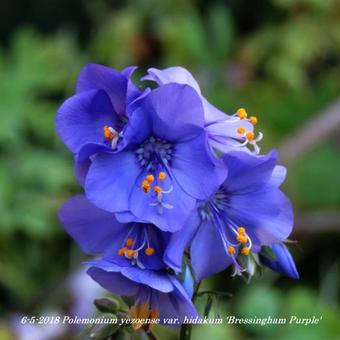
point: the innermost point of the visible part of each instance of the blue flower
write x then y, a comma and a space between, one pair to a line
283, 263
226, 133
93, 119
131, 263
98, 232
247, 211
158, 295
166, 165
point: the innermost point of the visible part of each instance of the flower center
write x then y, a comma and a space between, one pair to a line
145, 310
154, 155
248, 137
235, 239
111, 134
134, 243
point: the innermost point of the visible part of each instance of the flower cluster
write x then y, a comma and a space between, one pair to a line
171, 185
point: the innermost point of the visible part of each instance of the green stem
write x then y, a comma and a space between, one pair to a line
185, 332
150, 335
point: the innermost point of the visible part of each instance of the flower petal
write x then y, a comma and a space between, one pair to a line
284, 263
174, 74
81, 169
92, 228
114, 83
171, 218
116, 283
179, 242
211, 113
247, 172
81, 118
110, 179
197, 171
267, 215
173, 111
208, 253
180, 75
227, 128
154, 279
278, 176
176, 304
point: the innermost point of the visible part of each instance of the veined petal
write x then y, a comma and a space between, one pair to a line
174, 74
81, 118
208, 253
227, 128
81, 169
247, 172
132, 90
266, 214
179, 242
93, 229
116, 283
176, 304
211, 113
278, 176
114, 83
153, 279
284, 263
180, 75
110, 180
197, 171
174, 111
178, 206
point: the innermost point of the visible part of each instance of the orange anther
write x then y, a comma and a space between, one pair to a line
242, 238
146, 186
129, 242
231, 250
149, 251
157, 189
241, 113
162, 175
150, 178
241, 230
130, 252
241, 130
245, 251
121, 251
250, 136
109, 133
253, 120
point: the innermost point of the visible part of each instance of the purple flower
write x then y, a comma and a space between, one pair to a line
166, 165
283, 263
246, 212
94, 118
158, 295
132, 262
98, 232
226, 133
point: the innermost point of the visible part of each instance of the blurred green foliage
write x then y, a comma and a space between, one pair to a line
280, 59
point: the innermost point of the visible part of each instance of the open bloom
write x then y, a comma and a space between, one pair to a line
166, 165
131, 263
98, 232
247, 211
283, 263
226, 133
159, 296
94, 118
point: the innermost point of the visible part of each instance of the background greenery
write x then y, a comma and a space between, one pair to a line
278, 58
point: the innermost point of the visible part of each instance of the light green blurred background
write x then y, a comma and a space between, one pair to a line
280, 59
